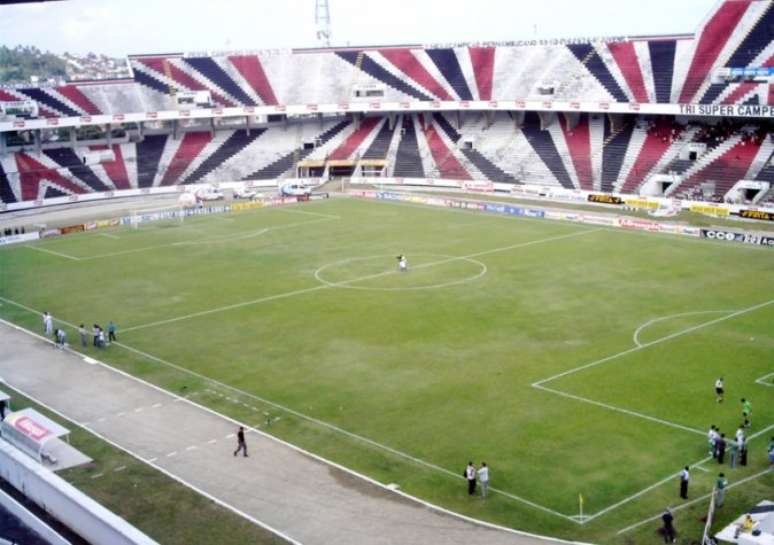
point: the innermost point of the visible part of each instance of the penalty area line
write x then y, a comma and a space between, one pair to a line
653, 343
52, 252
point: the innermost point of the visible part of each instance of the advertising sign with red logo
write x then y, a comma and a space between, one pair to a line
30, 428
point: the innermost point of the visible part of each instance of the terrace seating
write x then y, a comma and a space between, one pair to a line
250, 68
662, 60
613, 153
713, 38
545, 147
408, 163
355, 140
279, 167
659, 138
235, 143
67, 158
189, 149
220, 79
6, 193
381, 144
589, 57
149, 153
449, 65
725, 165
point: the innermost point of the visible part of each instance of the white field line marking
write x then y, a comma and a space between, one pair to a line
291, 446
682, 238
654, 342
702, 468
688, 504
210, 240
764, 380
151, 461
619, 409
108, 235
119, 468
335, 428
226, 308
52, 252
345, 432
297, 211
636, 336
344, 283
640, 493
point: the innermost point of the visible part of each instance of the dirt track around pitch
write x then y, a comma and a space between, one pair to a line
297, 494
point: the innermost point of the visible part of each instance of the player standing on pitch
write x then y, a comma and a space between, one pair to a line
402, 263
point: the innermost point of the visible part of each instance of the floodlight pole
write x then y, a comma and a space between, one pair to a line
322, 21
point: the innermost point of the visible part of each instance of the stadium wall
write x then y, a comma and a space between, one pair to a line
64, 502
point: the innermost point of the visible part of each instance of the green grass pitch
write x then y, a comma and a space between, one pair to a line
508, 340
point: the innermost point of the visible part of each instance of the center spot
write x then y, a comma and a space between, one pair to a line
425, 271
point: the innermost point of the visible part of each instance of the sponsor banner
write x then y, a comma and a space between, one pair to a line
246, 206
639, 225
13, 239
641, 203
479, 187
742, 238
709, 210
729, 110
690, 231
605, 198
73, 229
756, 215
607, 221
28, 427
47, 233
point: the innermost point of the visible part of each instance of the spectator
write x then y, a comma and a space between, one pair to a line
669, 529
470, 475
84, 335
483, 478
720, 490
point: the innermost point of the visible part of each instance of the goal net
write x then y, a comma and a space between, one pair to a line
165, 215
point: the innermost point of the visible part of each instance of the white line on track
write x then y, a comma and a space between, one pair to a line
654, 342
52, 252
352, 281
697, 500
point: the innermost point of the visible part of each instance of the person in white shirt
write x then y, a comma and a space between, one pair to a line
711, 438
470, 475
685, 476
48, 324
483, 478
402, 263
719, 390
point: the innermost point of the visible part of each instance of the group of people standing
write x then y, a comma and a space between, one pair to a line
474, 475
100, 338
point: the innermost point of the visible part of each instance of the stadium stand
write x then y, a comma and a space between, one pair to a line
578, 150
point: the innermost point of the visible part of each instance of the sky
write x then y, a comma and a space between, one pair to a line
121, 27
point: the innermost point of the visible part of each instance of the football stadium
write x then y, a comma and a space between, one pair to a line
491, 293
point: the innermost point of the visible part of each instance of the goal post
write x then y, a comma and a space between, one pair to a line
169, 214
